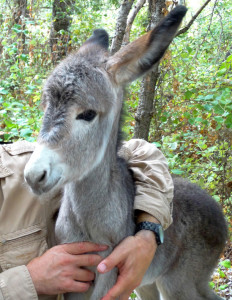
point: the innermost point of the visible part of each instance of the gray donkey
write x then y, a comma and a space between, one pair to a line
77, 151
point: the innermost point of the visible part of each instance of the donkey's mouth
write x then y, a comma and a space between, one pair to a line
44, 171
42, 187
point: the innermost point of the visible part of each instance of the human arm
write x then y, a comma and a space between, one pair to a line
17, 277
153, 203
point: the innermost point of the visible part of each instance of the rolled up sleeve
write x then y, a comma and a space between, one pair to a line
16, 283
154, 185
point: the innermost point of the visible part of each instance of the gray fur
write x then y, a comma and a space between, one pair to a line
98, 188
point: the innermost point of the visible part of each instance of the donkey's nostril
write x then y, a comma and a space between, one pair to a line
43, 176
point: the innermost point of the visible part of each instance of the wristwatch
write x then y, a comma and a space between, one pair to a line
156, 228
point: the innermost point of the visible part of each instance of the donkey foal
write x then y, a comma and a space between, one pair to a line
77, 150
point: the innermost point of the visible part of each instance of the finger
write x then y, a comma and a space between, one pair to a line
87, 260
83, 247
83, 275
117, 256
76, 287
125, 296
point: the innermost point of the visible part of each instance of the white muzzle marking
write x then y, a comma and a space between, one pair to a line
44, 171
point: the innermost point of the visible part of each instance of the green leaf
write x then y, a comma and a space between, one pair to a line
222, 274
187, 115
223, 287
9, 124
163, 119
25, 132
133, 296
177, 172
3, 91
188, 95
173, 146
219, 119
207, 107
217, 198
228, 121
221, 72
229, 58
189, 49
209, 97
211, 284
30, 22
198, 119
24, 57
157, 144
226, 263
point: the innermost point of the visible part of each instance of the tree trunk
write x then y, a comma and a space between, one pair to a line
59, 35
121, 25
139, 4
147, 90
20, 12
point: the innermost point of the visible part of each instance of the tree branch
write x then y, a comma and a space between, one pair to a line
186, 28
121, 25
133, 13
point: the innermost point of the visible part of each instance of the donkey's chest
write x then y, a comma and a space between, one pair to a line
106, 225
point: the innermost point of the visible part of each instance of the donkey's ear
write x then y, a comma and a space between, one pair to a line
140, 56
100, 37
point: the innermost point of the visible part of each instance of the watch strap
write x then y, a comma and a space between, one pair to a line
154, 227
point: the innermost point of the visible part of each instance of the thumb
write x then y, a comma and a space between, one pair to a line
111, 261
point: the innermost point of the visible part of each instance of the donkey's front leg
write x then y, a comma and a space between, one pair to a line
103, 283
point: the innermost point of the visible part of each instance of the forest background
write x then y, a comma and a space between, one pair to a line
184, 105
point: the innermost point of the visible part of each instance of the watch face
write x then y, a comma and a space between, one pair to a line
161, 234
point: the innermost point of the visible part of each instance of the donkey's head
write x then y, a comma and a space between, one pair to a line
82, 100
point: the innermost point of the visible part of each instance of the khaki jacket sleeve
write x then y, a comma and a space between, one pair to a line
154, 185
16, 283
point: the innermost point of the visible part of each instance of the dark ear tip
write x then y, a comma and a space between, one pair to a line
99, 31
179, 11
101, 37
101, 34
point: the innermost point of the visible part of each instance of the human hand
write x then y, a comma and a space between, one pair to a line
132, 257
59, 270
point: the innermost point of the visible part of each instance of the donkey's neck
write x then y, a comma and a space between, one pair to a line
97, 206
98, 183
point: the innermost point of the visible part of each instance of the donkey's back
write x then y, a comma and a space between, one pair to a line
192, 245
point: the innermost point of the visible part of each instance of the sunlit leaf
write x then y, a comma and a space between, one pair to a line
226, 263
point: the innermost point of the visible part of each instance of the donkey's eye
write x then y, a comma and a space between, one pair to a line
87, 115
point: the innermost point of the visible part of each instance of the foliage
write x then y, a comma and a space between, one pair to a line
192, 117
22, 72
197, 114
221, 279
26, 60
